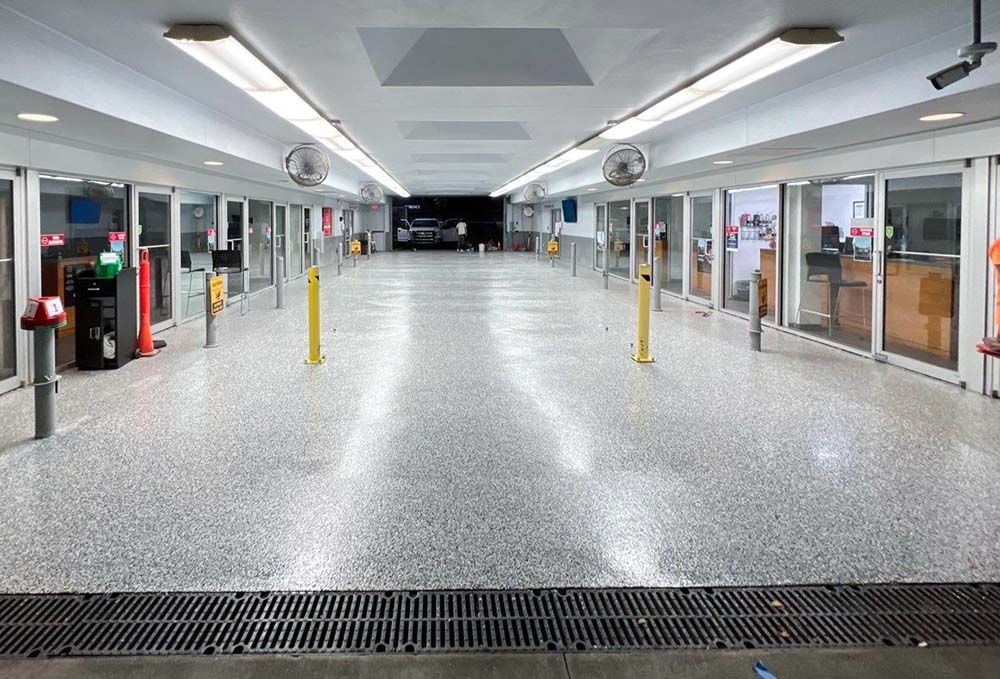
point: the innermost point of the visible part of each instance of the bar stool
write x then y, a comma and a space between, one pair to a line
824, 267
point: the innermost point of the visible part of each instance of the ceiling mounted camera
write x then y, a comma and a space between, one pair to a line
971, 55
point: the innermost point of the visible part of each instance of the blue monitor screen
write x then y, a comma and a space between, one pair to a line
84, 211
569, 210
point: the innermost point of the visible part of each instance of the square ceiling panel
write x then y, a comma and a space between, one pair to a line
463, 130
472, 57
467, 158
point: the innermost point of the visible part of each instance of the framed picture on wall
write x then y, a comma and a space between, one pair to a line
859, 209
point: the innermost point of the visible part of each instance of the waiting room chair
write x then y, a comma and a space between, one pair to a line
186, 268
825, 268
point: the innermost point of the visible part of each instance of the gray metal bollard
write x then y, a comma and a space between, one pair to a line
604, 272
340, 260
755, 327
211, 333
279, 284
538, 248
657, 305
45, 382
572, 257
369, 246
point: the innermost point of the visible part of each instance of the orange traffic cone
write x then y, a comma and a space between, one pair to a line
145, 341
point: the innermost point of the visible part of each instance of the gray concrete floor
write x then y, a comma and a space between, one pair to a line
479, 424
939, 663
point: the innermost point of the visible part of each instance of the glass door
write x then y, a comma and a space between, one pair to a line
260, 250
600, 237
641, 237
236, 231
919, 269
751, 239
153, 226
198, 235
668, 237
280, 241
619, 238
295, 242
701, 253
8, 293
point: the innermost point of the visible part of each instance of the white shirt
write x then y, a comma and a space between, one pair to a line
461, 228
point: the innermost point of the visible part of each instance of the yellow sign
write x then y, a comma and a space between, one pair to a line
762, 297
355, 247
216, 295
553, 248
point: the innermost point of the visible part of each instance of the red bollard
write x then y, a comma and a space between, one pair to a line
145, 330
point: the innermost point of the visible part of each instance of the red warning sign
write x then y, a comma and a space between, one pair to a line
53, 239
115, 236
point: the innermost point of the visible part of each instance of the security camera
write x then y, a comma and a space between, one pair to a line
952, 74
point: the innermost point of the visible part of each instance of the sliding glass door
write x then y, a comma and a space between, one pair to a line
751, 240
619, 238
641, 238
600, 236
8, 295
260, 249
702, 252
668, 234
154, 228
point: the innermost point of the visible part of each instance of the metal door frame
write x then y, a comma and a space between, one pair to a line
879, 264
688, 246
778, 252
302, 241
274, 240
598, 264
173, 252
20, 262
634, 235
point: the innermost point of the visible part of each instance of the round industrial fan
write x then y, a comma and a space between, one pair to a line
534, 192
624, 165
529, 211
307, 165
372, 194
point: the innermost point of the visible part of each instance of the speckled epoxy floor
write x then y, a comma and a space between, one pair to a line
478, 424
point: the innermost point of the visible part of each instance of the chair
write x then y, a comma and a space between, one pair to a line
825, 268
186, 264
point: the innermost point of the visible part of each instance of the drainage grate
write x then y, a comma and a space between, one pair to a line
188, 623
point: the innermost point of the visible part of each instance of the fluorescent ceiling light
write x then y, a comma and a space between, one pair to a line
723, 162
38, 117
791, 47
562, 160
214, 163
678, 195
591, 189
214, 47
938, 117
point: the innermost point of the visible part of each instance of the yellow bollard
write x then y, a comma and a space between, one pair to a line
315, 358
642, 354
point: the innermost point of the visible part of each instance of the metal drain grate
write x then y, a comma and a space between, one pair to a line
49, 625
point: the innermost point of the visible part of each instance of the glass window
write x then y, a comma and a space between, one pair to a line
668, 231
923, 228
234, 241
295, 240
619, 238
80, 218
280, 241
198, 236
641, 236
8, 311
751, 239
154, 235
702, 253
260, 245
828, 253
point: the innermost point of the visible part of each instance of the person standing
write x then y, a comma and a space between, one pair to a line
462, 228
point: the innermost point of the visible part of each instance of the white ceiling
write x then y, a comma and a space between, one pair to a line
471, 138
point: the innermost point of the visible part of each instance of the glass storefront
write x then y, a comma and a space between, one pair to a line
199, 233
295, 242
829, 235
923, 227
259, 251
668, 232
619, 238
154, 235
234, 241
79, 219
8, 310
702, 252
751, 240
642, 237
280, 240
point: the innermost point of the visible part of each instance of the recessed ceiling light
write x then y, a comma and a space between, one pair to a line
214, 163
591, 189
723, 162
37, 117
938, 117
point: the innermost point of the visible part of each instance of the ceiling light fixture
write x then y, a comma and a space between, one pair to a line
562, 160
938, 117
591, 189
791, 47
213, 163
723, 162
38, 117
217, 49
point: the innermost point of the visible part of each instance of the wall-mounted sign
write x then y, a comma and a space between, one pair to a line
53, 239
732, 238
328, 221
862, 231
210, 233
115, 236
